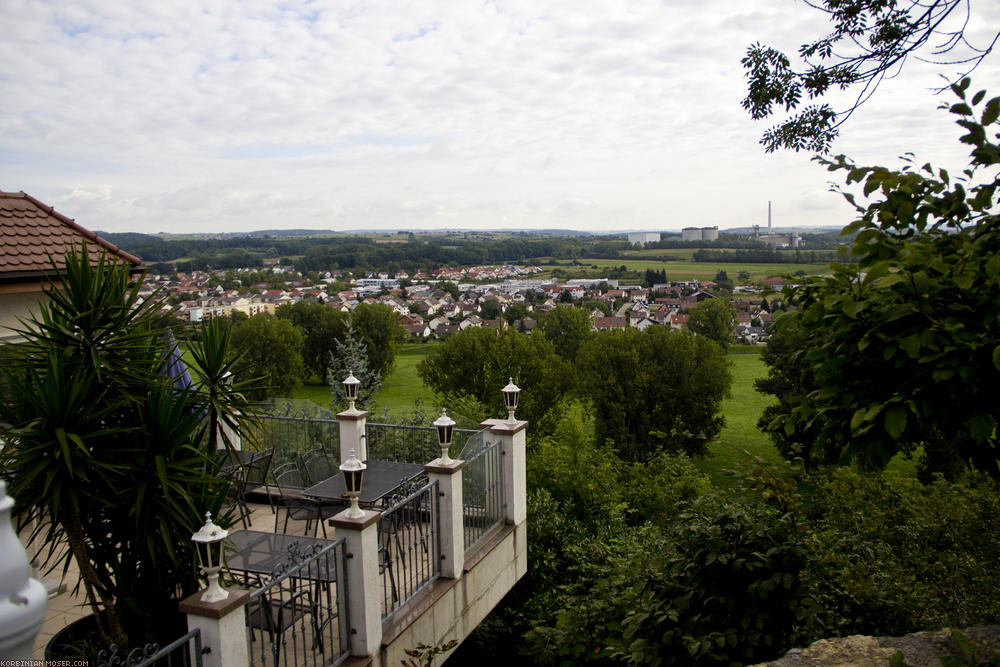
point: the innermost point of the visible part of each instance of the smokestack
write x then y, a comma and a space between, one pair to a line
768, 217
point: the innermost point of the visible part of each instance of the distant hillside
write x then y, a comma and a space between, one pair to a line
128, 240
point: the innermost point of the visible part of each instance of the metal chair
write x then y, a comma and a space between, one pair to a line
318, 466
256, 477
236, 491
290, 482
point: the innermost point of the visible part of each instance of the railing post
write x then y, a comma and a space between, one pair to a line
449, 483
352, 434
223, 628
512, 447
363, 583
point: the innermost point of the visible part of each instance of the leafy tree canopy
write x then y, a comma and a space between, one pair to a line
901, 350
714, 319
272, 347
567, 328
321, 325
653, 390
870, 40
478, 363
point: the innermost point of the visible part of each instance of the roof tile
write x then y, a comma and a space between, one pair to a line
31, 233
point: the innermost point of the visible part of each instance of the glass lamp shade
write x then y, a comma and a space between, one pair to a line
354, 473
445, 426
510, 393
351, 387
208, 544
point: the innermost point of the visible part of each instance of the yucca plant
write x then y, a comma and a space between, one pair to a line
106, 452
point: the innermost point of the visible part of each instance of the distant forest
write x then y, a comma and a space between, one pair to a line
410, 252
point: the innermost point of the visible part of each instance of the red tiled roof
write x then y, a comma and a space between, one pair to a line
31, 232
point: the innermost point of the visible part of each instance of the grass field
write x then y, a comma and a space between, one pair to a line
686, 270
402, 391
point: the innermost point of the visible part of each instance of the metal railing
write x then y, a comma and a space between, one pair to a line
299, 616
410, 444
482, 490
409, 545
290, 436
185, 651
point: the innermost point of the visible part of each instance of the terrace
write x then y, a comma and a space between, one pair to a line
424, 564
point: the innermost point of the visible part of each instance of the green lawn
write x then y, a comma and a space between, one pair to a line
402, 390
740, 438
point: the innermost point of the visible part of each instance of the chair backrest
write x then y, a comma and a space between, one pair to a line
288, 476
318, 466
256, 472
237, 481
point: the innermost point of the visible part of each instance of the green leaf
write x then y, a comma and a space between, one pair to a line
961, 109
895, 421
996, 357
991, 112
981, 426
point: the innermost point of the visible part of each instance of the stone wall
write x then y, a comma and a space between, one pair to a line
922, 649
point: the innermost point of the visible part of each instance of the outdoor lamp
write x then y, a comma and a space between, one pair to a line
208, 541
510, 393
354, 473
351, 389
444, 425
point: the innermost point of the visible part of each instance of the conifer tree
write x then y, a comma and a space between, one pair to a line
351, 356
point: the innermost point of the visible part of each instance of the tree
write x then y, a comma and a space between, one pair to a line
489, 309
714, 319
104, 447
870, 40
902, 346
272, 347
351, 357
321, 325
478, 363
653, 390
567, 328
378, 327
515, 312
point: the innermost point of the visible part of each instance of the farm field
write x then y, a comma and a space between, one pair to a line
687, 270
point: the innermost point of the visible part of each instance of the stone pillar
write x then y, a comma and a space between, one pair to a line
515, 492
449, 479
223, 628
352, 434
23, 600
364, 588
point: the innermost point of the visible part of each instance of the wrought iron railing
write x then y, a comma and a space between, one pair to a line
410, 444
409, 544
299, 615
290, 436
482, 489
185, 651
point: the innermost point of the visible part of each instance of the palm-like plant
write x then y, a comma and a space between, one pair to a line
106, 451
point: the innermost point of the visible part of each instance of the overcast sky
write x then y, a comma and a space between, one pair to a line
236, 115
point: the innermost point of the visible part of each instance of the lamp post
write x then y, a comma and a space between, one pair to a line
445, 426
351, 390
354, 473
208, 541
510, 393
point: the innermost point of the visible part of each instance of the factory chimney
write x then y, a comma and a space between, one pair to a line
769, 218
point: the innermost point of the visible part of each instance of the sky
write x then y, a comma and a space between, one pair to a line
590, 115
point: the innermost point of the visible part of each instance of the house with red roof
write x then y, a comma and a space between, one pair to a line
34, 239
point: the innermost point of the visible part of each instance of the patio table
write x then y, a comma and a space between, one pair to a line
381, 479
259, 553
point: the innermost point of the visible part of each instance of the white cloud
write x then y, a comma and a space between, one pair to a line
231, 115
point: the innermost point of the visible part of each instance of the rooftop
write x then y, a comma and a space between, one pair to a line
31, 233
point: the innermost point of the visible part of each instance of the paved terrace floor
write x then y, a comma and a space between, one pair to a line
65, 607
